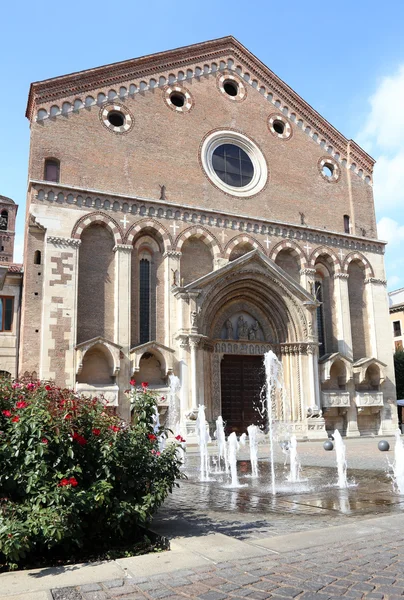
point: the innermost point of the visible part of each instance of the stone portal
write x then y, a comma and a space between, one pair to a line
242, 379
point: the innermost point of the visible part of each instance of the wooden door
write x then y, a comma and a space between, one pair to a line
242, 379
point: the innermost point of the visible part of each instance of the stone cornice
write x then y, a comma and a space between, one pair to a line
376, 281
227, 54
62, 241
138, 206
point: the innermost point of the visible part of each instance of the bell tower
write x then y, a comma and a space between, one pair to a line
8, 214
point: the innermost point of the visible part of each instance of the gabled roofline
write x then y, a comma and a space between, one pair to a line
82, 81
244, 259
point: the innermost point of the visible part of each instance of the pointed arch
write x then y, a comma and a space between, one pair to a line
324, 251
201, 233
361, 258
145, 224
100, 218
294, 248
242, 238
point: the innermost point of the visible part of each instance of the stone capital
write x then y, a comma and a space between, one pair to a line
125, 248
62, 241
376, 281
172, 254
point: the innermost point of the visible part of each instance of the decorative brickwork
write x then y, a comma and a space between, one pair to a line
199, 232
58, 331
98, 217
62, 269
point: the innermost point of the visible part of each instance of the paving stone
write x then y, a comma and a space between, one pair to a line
289, 592
257, 595
159, 593
314, 596
228, 587
95, 596
67, 593
113, 583
90, 587
213, 595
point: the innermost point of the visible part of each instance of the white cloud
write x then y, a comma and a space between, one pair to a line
384, 126
390, 230
389, 181
383, 135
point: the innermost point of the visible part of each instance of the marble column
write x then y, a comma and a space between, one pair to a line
341, 298
122, 309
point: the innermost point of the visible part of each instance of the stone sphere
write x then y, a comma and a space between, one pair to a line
383, 446
328, 445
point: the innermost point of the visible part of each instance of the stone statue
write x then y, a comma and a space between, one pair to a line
229, 329
175, 276
194, 318
162, 192
253, 331
242, 328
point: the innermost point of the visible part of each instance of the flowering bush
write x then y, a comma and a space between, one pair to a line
73, 476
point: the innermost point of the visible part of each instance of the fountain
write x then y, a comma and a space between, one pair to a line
175, 385
341, 461
398, 466
203, 439
294, 475
221, 444
233, 448
252, 437
274, 383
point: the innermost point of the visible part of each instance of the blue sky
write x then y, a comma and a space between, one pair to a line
346, 59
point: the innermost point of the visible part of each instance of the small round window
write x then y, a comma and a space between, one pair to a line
231, 86
279, 126
329, 169
116, 118
232, 165
178, 98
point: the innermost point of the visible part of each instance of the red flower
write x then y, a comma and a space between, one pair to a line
15, 419
145, 385
179, 438
48, 387
63, 482
156, 453
96, 431
30, 386
132, 382
73, 481
44, 440
68, 416
152, 437
114, 428
79, 439
21, 404
6, 413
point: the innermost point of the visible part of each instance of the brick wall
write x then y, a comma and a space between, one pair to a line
288, 262
163, 148
358, 311
196, 260
95, 303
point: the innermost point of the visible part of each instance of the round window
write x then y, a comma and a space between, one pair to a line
234, 163
116, 118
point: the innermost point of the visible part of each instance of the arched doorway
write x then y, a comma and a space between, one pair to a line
242, 381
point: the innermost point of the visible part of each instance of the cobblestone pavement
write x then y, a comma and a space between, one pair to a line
366, 568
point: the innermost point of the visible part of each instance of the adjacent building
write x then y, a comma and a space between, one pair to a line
396, 307
10, 290
187, 212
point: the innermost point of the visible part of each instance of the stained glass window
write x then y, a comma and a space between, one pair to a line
144, 300
232, 165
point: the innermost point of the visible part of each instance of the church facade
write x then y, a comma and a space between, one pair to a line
191, 212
